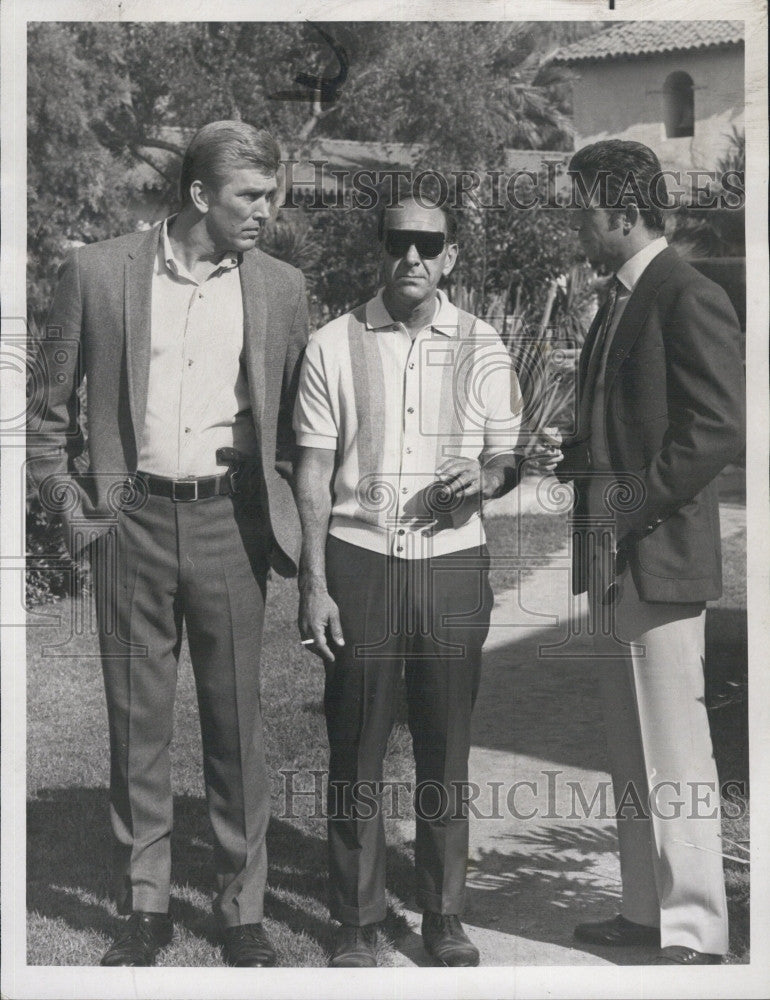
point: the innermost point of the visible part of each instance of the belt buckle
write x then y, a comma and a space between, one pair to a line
184, 482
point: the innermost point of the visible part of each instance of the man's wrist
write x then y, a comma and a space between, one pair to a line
314, 580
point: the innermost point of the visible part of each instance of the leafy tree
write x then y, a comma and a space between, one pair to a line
715, 231
76, 186
449, 87
102, 95
105, 96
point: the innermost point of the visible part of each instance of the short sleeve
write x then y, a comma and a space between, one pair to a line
314, 421
503, 400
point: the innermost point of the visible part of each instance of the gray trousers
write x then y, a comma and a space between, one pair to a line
432, 617
204, 564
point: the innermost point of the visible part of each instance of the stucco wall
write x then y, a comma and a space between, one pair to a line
624, 100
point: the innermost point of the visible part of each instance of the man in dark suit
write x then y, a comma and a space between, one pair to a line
660, 413
190, 339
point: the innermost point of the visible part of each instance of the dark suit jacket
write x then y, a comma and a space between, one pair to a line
99, 326
674, 410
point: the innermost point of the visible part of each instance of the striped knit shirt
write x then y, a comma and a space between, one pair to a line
394, 409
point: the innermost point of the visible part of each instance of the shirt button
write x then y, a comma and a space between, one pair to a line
404, 489
411, 364
187, 430
200, 295
409, 451
399, 548
189, 362
410, 409
401, 531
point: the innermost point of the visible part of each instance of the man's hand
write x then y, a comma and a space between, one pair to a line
319, 617
547, 454
317, 614
465, 477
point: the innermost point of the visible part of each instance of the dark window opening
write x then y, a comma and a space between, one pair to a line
679, 105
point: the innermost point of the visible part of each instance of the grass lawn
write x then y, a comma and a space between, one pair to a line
70, 917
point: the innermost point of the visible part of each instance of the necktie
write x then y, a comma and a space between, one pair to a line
587, 395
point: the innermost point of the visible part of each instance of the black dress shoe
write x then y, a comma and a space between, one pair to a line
618, 932
247, 947
354, 948
677, 954
142, 936
446, 942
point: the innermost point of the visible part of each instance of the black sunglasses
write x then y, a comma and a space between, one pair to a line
427, 245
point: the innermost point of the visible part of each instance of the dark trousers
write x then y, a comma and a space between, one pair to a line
204, 564
432, 616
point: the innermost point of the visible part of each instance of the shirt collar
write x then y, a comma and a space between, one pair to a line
176, 266
445, 318
629, 274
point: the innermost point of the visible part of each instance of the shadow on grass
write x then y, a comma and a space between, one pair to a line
69, 853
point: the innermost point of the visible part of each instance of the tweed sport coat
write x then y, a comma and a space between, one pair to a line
99, 326
674, 413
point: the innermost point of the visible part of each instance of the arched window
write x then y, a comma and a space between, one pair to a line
678, 105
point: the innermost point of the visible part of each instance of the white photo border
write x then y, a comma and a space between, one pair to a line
22, 981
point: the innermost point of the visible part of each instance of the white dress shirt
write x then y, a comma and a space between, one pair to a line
198, 394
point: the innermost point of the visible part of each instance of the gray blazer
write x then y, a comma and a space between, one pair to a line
99, 327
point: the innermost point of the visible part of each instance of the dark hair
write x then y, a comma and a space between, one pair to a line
219, 147
628, 173
450, 218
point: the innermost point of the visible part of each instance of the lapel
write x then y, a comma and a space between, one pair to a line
254, 293
590, 340
636, 312
137, 299
584, 393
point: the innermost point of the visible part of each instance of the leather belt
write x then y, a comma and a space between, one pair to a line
187, 490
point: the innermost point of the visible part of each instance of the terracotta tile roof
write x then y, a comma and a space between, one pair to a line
639, 38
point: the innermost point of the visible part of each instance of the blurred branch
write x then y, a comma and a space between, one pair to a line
153, 143
145, 159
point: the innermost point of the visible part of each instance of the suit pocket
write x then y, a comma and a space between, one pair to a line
683, 547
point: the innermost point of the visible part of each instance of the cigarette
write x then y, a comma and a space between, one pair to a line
306, 642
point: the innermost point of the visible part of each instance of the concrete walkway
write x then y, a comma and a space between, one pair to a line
543, 850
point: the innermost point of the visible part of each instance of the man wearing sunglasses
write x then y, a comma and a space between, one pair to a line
407, 418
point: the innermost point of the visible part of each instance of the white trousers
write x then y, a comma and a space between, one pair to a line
664, 775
